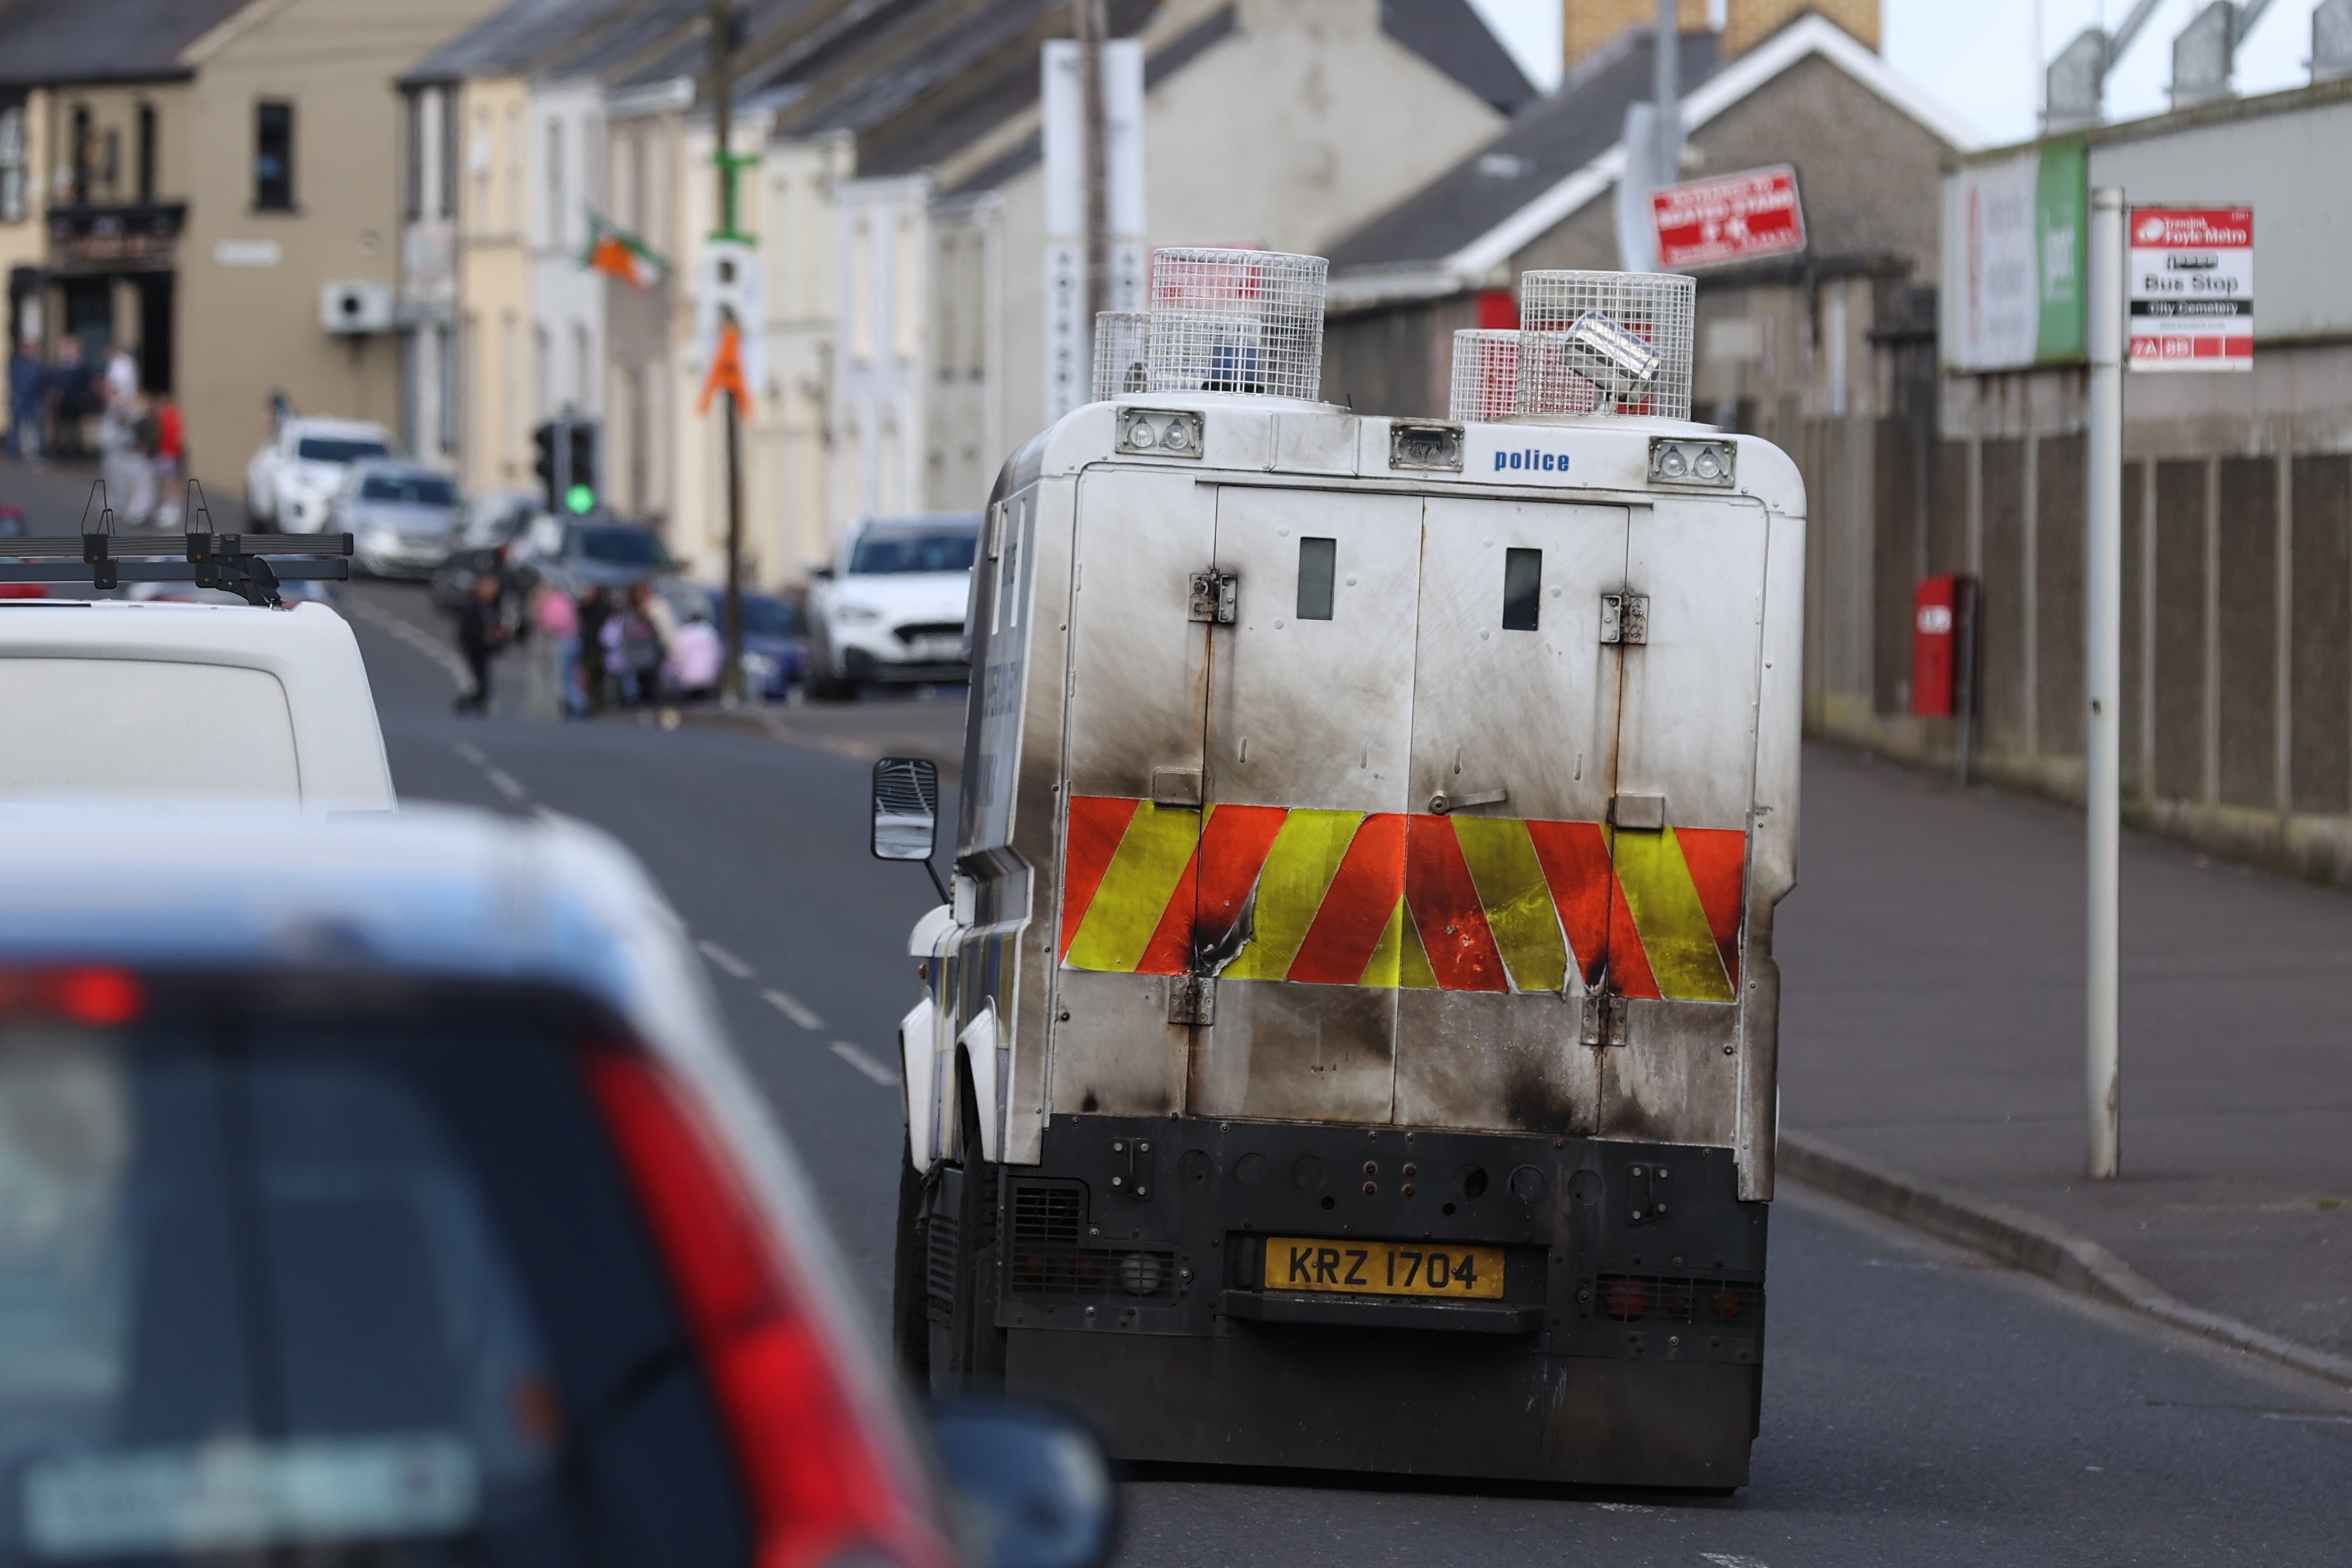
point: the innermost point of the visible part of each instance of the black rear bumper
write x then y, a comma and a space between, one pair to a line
1626, 1347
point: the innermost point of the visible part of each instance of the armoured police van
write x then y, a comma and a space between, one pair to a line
1351, 1041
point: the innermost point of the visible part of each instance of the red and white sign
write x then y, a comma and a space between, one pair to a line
2192, 288
1733, 218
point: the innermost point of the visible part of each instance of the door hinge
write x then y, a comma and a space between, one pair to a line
1193, 999
1604, 1019
1217, 596
1440, 802
1624, 618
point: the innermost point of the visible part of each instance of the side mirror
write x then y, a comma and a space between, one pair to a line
1034, 1488
906, 808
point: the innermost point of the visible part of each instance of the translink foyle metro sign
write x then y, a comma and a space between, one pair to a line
2192, 288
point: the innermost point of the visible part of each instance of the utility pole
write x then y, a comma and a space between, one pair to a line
1667, 89
2101, 667
1090, 22
722, 101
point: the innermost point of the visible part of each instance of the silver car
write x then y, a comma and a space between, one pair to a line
404, 517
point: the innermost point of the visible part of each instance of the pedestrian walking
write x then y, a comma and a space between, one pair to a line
558, 624
68, 399
146, 441
28, 386
595, 612
481, 633
119, 462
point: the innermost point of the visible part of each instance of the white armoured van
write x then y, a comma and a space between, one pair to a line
110, 700
1352, 1040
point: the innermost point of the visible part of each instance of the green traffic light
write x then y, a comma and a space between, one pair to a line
580, 498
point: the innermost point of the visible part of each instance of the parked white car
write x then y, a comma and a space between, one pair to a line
893, 609
290, 481
159, 700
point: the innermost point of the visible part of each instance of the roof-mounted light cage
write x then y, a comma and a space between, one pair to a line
1122, 354
1486, 380
1606, 342
1237, 321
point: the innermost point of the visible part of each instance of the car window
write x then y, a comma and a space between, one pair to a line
338, 449
328, 1285
767, 618
944, 551
409, 489
621, 547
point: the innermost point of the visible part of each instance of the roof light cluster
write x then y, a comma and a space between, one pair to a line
1587, 343
1246, 321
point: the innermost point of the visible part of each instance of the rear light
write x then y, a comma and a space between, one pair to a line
822, 1483
100, 997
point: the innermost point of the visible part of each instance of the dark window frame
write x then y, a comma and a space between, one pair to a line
1522, 590
1319, 574
277, 195
149, 147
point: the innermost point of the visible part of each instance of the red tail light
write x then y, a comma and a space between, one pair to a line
821, 1483
100, 997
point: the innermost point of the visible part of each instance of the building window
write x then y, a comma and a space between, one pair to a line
554, 230
273, 157
452, 131
147, 151
448, 374
12, 165
412, 196
78, 190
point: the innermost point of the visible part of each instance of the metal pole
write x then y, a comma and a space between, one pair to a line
2102, 664
1089, 24
722, 101
1667, 89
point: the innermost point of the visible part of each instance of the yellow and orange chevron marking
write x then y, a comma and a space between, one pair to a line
1448, 904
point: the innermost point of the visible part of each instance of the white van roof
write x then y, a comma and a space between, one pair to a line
112, 698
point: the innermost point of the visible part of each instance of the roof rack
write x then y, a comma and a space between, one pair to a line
248, 568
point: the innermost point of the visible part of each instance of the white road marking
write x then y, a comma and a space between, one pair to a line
414, 636
507, 785
865, 1064
792, 1007
724, 959
1727, 1560
471, 752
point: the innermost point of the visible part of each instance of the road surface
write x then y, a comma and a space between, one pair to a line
1921, 1407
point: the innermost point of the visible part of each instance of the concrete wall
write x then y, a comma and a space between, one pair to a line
494, 286
246, 330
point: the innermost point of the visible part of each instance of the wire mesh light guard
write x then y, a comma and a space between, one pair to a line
1606, 342
1237, 321
1122, 354
1486, 376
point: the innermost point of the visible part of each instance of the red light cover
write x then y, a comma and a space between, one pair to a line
102, 998
820, 1483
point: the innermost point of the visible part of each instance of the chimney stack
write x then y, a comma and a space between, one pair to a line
1587, 26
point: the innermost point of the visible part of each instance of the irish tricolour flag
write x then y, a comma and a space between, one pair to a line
622, 255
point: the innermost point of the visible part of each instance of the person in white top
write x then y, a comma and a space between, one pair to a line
129, 485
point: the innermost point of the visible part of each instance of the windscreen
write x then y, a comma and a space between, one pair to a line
409, 489
767, 618
269, 1285
338, 449
942, 550
621, 547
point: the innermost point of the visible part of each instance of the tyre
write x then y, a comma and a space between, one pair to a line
967, 1348
910, 1302
820, 685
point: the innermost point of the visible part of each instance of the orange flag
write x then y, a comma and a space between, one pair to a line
726, 372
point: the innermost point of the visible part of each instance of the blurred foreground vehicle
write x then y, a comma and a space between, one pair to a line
291, 479
406, 1205
118, 698
403, 517
893, 610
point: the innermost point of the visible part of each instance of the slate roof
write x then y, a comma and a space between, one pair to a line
45, 41
511, 40
1452, 36
1547, 140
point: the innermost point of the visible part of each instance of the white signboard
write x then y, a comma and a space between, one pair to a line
2192, 288
1069, 331
2014, 260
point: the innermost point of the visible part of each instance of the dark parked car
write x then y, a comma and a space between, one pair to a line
408, 1206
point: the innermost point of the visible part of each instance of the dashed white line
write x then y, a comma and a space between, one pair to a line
865, 1064
414, 636
507, 785
471, 752
792, 1007
1729, 1560
724, 959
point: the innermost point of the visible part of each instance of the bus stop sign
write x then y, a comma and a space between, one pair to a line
2192, 288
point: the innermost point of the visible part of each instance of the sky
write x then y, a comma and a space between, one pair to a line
1979, 57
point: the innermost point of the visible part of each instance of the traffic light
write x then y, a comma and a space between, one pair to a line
545, 439
580, 467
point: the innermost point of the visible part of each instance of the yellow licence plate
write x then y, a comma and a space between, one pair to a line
1384, 1268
